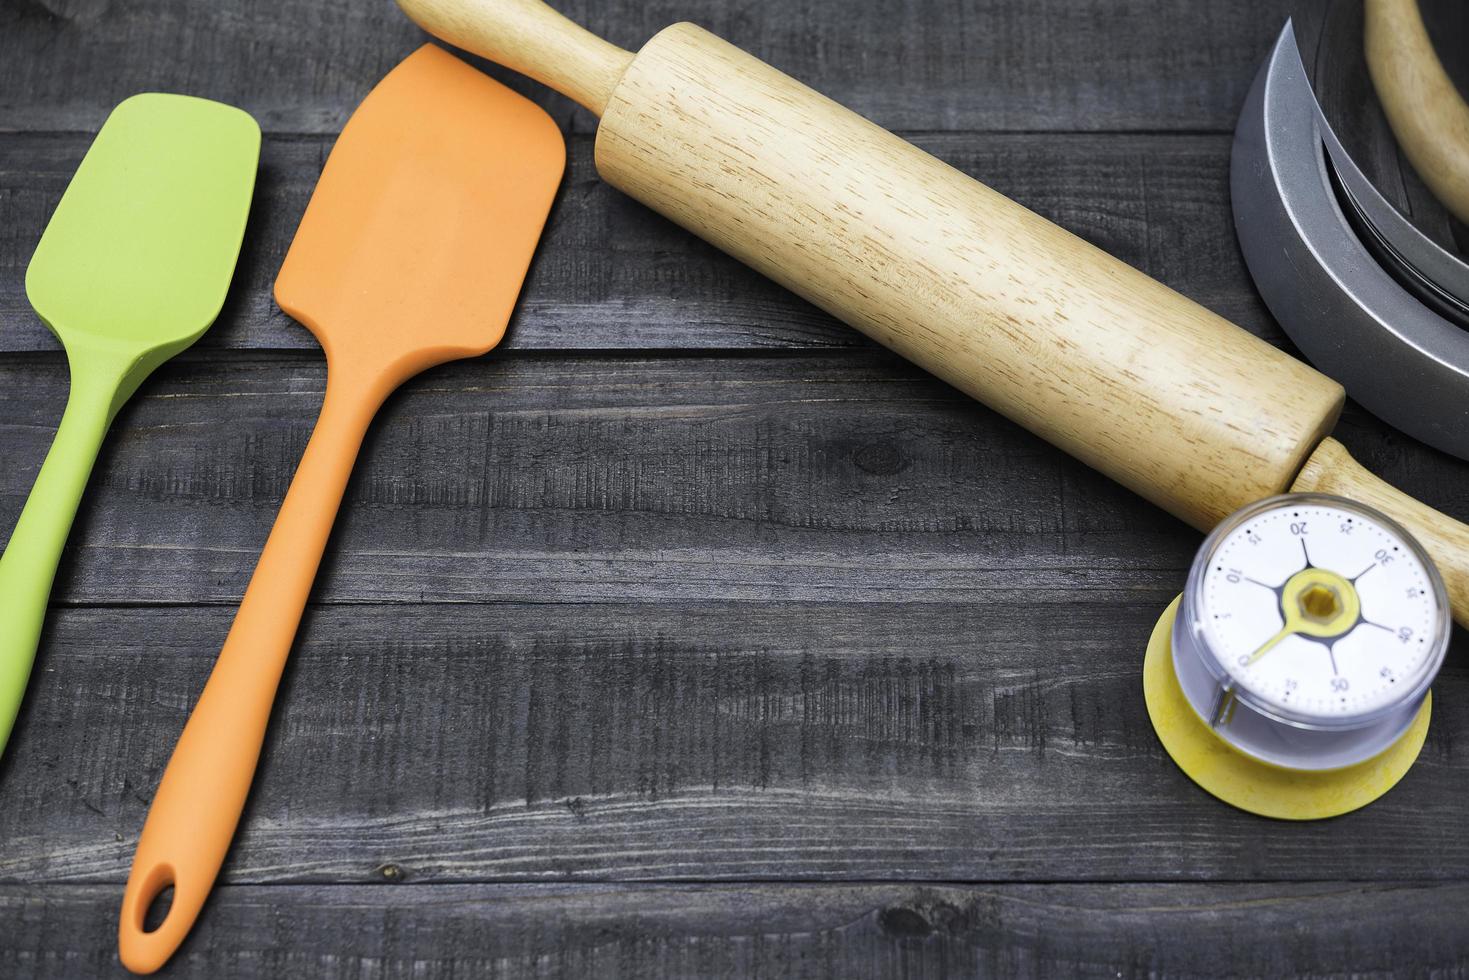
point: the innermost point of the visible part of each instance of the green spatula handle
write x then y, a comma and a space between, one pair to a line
29, 564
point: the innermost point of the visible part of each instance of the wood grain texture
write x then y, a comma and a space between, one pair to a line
720, 740
852, 479
611, 275
1132, 378
852, 932
301, 65
698, 617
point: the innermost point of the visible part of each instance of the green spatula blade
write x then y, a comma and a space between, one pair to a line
142, 247
132, 268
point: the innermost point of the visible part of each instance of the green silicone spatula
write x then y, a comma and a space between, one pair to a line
132, 269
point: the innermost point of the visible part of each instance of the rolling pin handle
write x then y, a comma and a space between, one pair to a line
529, 37
1331, 469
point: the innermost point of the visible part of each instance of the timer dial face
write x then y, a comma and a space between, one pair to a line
1320, 612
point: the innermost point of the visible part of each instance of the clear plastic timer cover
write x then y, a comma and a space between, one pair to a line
1318, 611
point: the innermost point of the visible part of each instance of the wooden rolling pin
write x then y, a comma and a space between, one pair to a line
1187, 409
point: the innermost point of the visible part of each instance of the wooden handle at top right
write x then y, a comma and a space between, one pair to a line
1428, 115
531, 38
1331, 469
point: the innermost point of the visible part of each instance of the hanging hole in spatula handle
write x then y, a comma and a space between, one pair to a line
150, 931
197, 807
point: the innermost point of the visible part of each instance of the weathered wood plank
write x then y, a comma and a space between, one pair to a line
684, 741
817, 931
611, 274
852, 479
300, 65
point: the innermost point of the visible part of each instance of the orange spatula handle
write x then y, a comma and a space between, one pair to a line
198, 803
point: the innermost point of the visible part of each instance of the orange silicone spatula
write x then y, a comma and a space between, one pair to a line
411, 253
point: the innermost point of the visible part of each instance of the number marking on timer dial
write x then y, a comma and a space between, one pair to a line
1319, 611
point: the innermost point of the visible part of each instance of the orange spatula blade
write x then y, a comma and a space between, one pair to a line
442, 179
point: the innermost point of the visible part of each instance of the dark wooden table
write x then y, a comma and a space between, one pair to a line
689, 634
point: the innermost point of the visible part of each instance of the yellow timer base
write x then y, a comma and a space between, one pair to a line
1251, 785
